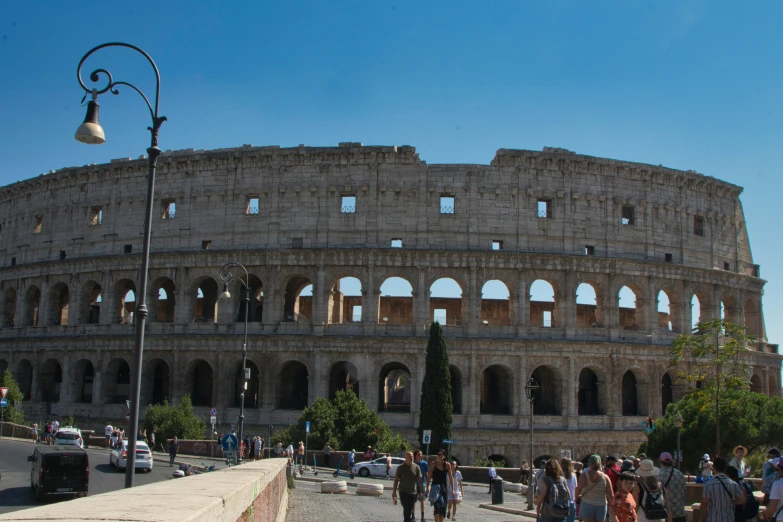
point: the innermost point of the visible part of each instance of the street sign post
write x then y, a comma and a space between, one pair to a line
127, 403
426, 438
3, 392
213, 412
127, 416
3, 402
229, 442
213, 420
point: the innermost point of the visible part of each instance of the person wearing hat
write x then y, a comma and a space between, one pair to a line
595, 491
773, 476
739, 461
773, 454
704, 469
674, 485
649, 494
627, 465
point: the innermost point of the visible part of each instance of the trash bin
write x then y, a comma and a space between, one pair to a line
497, 490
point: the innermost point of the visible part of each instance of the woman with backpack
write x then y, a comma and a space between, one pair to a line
570, 477
594, 492
553, 494
648, 494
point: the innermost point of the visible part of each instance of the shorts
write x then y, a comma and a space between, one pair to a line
107, 437
590, 511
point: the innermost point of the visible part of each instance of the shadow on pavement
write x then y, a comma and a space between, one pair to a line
18, 496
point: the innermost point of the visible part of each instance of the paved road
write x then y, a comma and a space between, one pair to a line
15, 491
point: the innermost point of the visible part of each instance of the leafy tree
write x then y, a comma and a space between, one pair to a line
755, 421
345, 422
716, 364
11, 414
179, 420
436, 405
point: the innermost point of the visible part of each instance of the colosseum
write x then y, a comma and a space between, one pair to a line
348, 249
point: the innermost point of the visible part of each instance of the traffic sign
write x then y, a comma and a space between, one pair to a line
377, 431
3, 391
229, 442
307, 427
449, 441
213, 420
213, 412
426, 436
18, 404
127, 403
3, 402
127, 416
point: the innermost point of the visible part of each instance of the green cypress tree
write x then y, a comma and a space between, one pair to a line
436, 406
11, 414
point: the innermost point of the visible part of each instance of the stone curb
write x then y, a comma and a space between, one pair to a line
510, 511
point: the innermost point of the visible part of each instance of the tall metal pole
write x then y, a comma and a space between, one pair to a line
717, 393
679, 451
532, 467
141, 297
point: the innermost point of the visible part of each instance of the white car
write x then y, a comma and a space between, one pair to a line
69, 436
119, 454
377, 467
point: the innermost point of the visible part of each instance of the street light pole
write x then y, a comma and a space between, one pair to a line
91, 132
679, 421
530, 388
227, 276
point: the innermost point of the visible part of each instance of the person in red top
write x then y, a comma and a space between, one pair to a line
368, 453
623, 507
612, 471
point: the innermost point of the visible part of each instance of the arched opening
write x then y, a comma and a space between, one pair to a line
252, 389
256, 311
755, 384
396, 302
665, 312
630, 399
9, 308
588, 313
542, 304
728, 310
201, 383
751, 318
33, 304
456, 389
667, 392
547, 398
155, 379
163, 302
294, 383
446, 302
298, 304
495, 304
91, 303
24, 377
343, 377
627, 309
124, 301
496, 389
206, 301
59, 299
588, 393
395, 388
117, 382
51, 380
345, 301
85, 377
695, 312
499, 460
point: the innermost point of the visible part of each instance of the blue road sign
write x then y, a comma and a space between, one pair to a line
307, 426
229, 442
449, 441
213, 412
3, 402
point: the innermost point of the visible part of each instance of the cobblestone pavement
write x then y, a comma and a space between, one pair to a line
307, 503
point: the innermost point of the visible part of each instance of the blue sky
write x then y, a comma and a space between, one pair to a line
687, 84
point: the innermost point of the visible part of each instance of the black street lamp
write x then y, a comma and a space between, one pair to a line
679, 422
530, 392
227, 276
91, 132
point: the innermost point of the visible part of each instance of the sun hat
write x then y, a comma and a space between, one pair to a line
705, 457
743, 448
773, 452
647, 469
595, 460
666, 457
627, 465
779, 463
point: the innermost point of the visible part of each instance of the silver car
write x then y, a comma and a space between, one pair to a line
377, 467
69, 436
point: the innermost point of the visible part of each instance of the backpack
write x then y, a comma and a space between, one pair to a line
653, 505
751, 508
557, 504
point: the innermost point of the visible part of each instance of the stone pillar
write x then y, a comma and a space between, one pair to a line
571, 390
765, 384
521, 407
569, 301
422, 317
524, 304
370, 298
651, 306
97, 388
107, 299
473, 383
182, 304
613, 398
65, 386
418, 380
611, 304
320, 297
471, 304
267, 394
43, 304
320, 375
20, 319
221, 397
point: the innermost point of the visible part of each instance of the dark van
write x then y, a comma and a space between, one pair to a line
58, 471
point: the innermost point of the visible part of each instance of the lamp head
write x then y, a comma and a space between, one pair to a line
679, 421
91, 132
226, 294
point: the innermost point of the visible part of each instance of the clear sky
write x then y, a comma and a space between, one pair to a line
687, 84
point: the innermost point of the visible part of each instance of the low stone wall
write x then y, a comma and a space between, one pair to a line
481, 475
17, 430
254, 491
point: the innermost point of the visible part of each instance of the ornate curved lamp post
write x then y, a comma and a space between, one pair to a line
91, 132
530, 392
227, 276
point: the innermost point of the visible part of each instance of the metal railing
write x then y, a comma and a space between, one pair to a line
348, 209
446, 210
252, 211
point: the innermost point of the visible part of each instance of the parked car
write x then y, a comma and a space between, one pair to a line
59, 470
119, 454
69, 436
377, 467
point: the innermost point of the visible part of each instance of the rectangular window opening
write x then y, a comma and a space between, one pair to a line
96, 216
589, 250
439, 315
497, 244
547, 323
396, 243
447, 205
251, 209
669, 257
62, 255
169, 209
545, 208
356, 314
13, 261
38, 224
128, 249
698, 225
205, 245
348, 204
297, 242
726, 265
628, 215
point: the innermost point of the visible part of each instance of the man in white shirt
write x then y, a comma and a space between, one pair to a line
290, 452
107, 433
705, 469
492, 475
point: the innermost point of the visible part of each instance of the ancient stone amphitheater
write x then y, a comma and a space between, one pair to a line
628, 255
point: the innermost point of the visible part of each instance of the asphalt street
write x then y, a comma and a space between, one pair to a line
15, 490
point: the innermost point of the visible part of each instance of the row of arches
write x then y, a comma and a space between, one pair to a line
394, 306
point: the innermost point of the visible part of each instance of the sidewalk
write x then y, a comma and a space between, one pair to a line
511, 508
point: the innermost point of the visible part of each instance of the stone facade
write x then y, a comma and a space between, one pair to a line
304, 217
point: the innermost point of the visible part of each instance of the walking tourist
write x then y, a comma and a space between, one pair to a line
674, 485
35, 433
455, 491
567, 466
407, 479
739, 461
719, 496
648, 494
258, 448
301, 454
115, 436
623, 506
773, 455
749, 510
151, 439
351, 458
107, 431
524, 472
368, 453
553, 496
492, 476
418, 457
594, 491
289, 451
388, 466
704, 469
775, 506
772, 476
262, 444
612, 470
437, 484
327, 451
173, 449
